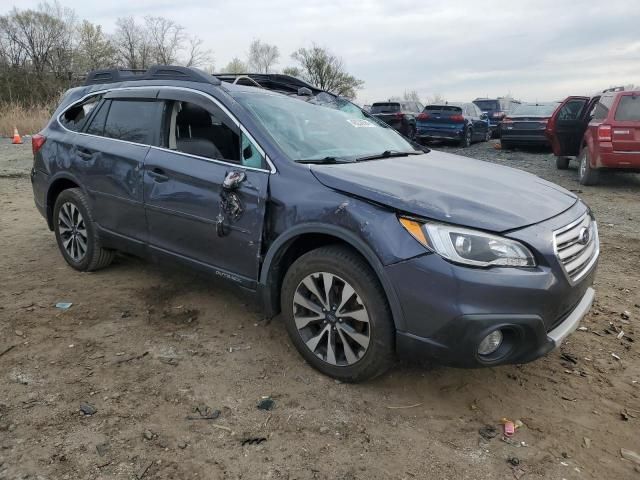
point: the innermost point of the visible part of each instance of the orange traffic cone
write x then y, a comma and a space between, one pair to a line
17, 139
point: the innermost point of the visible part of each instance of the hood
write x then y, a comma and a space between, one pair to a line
452, 189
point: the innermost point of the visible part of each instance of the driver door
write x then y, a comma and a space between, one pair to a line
566, 126
190, 213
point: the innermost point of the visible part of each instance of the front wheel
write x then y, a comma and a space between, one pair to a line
337, 316
467, 135
588, 175
76, 232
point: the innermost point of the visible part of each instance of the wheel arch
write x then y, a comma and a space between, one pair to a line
56, 187
303, 238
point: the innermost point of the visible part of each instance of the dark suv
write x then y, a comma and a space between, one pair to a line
367, 246
400, 115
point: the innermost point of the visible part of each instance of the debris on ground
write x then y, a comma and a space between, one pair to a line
488, 432
7, 350
103, 448
630, 455
182, 444
88, 409
569, 358
253, 441
267, 403
513, 461
586, 442
64, 305
204, 413
148, 435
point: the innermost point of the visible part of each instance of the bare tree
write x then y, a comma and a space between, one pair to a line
262, 56
131, 43
411, 96
166, 38
325, 70
42, 37
293, 71
436, 99
94, 49
197, 55
235, 66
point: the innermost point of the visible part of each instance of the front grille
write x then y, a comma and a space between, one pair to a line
577, 247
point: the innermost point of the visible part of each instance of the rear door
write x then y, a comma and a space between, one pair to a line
566, 126
111, 152
625, 124
189, 213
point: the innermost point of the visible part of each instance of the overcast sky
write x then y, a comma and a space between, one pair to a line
535, 50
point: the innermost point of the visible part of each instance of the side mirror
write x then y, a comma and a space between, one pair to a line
233, 179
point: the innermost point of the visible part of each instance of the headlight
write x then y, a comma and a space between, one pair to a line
469, 247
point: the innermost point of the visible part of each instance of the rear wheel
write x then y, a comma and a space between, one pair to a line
562, 163
336, 314
76, 233
588, 175
467, 136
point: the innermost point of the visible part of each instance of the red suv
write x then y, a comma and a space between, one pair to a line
602, 132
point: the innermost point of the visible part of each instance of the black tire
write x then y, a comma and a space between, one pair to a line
345, 264
467, 138
95, 256
587, 174
562, 163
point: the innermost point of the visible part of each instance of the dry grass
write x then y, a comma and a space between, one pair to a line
28, 120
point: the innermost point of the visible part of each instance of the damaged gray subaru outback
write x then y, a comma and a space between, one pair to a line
370, 248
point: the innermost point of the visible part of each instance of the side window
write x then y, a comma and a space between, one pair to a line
135, 121
96, 127
75, 117
251, 156
628, 108
201, 132
571, 110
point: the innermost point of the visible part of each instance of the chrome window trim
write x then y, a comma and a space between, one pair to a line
596, 254
236, 122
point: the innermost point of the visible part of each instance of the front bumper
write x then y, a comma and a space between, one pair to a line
448, 309
526, 338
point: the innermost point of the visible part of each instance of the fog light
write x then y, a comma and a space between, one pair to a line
490, 343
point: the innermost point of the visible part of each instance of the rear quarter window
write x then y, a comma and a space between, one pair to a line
628, 108
136, 121
601, 110
76, 116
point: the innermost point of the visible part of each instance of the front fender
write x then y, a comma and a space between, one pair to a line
279, 247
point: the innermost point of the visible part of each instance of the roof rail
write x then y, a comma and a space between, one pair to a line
157, 72
613, 89
270, 81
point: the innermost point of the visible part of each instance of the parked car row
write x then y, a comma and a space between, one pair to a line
601, 132
464, 123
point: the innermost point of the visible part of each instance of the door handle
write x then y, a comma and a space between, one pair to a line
85, 153
158, 175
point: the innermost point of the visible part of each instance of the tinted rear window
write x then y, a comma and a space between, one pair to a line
629, 108
443, 108
485, 105
540, 110
385, 108
135, 121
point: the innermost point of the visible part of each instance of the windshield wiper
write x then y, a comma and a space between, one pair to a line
323, 161
387, 154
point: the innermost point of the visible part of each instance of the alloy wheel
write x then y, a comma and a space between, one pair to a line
73, 231
331, 319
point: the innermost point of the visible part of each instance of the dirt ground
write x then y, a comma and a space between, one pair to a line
149, 346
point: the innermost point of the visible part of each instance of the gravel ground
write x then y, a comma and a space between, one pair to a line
146, 347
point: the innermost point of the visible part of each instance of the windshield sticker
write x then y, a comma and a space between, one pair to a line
358, 123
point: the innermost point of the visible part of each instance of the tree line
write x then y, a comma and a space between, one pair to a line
45, 50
